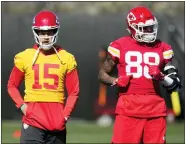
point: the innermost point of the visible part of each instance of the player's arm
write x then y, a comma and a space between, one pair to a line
169, 75
105, 69
111, 61
15, 79
104, 76
72, 86
171, 80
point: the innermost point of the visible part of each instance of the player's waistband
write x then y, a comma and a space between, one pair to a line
45, 97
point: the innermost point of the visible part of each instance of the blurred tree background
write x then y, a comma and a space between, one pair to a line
92, 8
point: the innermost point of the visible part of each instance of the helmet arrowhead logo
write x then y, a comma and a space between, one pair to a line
131, 17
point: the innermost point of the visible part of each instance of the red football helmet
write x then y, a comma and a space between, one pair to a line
45, 21
142, 25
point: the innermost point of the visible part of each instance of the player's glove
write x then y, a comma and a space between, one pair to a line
155, 72
122, 81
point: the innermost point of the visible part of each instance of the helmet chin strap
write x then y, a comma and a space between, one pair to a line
57, 54
148, 38
45, 47
48, 46
35, 56
37, 53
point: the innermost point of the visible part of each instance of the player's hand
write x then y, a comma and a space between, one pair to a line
24, 108
155, 72
122, 81
65, 119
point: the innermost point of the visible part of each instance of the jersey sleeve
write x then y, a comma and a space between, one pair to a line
168, 53
19, 61
72, 64
15, 79
114, 50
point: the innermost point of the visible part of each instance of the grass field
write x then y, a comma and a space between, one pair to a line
89, 132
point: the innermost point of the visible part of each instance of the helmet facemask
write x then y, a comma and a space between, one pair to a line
145, 32
45, 41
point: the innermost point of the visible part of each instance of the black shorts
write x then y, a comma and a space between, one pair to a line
33, 135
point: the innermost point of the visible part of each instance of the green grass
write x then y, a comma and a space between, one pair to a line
79, 132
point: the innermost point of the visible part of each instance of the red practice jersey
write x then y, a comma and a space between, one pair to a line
132, 58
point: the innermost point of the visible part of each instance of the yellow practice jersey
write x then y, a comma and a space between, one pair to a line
44, 81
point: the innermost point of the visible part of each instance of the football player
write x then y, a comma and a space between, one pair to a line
142, 62
47, 69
